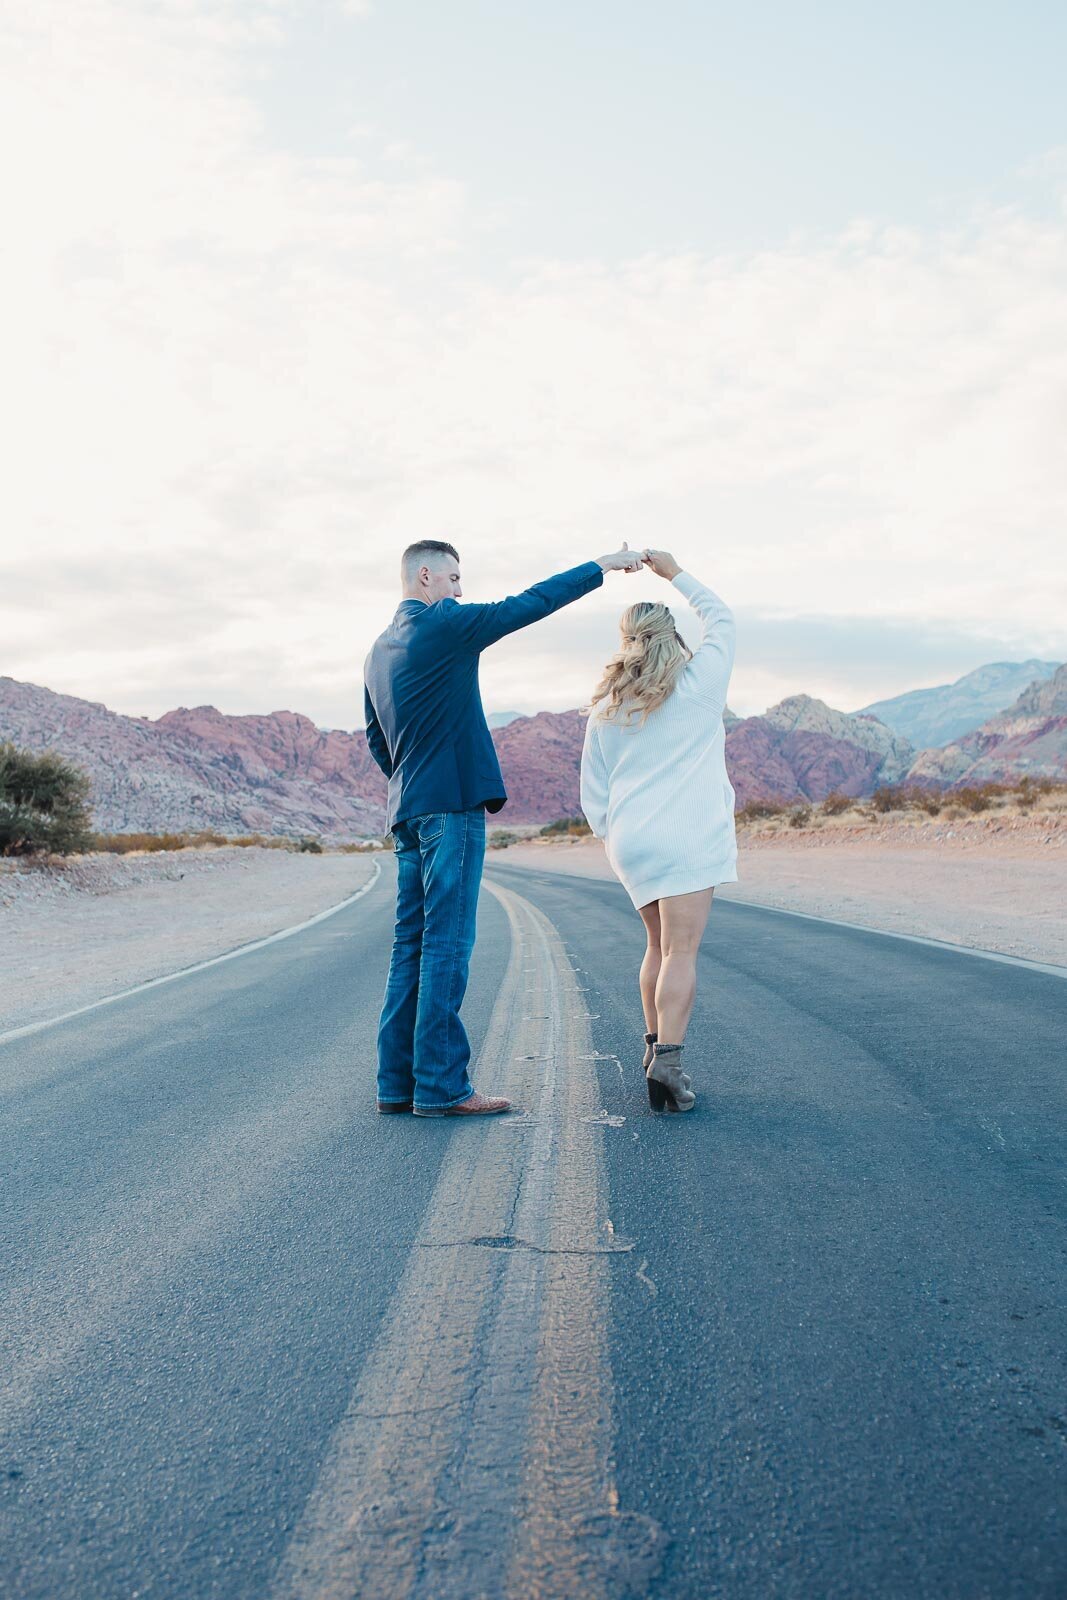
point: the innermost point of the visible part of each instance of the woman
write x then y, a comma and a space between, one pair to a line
654, 788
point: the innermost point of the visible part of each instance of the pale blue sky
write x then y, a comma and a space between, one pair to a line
609, 128
295, 282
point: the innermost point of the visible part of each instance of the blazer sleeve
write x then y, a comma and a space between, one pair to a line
379, 748
713, 657
594, 781
477, 626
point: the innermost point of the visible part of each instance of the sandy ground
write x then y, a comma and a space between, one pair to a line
73, 934
985, 884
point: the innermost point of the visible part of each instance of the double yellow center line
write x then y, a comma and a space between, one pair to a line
475, 1456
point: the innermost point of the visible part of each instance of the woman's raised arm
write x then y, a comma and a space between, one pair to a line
713, 657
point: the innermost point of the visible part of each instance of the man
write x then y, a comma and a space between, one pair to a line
427, 731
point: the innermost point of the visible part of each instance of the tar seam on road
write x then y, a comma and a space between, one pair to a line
475, 1456
199, 966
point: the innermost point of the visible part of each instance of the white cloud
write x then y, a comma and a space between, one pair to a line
268, 372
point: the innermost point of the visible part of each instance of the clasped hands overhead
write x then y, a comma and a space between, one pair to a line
661, 562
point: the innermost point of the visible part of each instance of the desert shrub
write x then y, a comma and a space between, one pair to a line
121, 844
573, 827
44, 803
977, 797
907, 797
500, 838
758, 810
800, 816
310, 846
835, 803
1029, 790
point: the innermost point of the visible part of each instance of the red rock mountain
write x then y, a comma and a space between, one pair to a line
1027, 740
197, 768
801, 749
541, 758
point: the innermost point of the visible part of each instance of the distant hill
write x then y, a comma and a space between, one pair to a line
500, 719
193, 769
802, 749
279, 773
1027, 740
937, 716
799, 750
540, 758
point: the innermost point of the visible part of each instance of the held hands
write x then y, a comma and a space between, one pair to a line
627, 560
624, 560
662, 563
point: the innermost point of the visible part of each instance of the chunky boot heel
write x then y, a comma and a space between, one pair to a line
657, 1094
672, 1086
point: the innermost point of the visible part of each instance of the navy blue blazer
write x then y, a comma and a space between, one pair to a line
425, 724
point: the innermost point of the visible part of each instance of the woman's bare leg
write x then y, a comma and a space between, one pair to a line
650, 965
683, 918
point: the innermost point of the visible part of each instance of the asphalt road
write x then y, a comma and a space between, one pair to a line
816, 1329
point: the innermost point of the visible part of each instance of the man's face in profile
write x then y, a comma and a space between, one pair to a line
440, 580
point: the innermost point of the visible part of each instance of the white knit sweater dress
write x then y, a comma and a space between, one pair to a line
658, 794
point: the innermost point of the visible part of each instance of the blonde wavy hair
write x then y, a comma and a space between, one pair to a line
642, 675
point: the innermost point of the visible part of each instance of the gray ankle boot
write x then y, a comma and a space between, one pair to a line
668, 1086
650, 1040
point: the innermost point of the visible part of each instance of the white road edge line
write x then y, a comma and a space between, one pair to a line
910, 938
199, 966
858, 927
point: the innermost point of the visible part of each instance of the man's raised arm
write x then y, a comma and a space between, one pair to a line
481, 625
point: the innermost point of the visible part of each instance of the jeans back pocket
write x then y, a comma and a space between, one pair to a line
429, 827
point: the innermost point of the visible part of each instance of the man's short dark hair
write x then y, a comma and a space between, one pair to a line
415, 554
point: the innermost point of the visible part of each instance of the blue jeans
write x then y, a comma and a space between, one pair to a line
423, 1050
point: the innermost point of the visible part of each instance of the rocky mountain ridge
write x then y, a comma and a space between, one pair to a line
197, 767
800, 713
1027, 740
200, 769
944, 713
